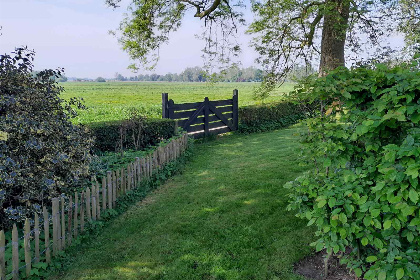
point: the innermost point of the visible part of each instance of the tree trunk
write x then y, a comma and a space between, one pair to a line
334, 35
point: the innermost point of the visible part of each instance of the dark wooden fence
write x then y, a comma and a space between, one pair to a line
205, 118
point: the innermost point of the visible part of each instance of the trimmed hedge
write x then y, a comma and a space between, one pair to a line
265, 117
107, 134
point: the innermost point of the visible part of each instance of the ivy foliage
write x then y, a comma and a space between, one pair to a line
363, 192
42, 154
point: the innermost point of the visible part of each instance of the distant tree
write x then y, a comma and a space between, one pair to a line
120, 77
100, 80
154, 77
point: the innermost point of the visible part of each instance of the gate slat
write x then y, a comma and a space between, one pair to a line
221, 102
225, 109
185, 106
183, 114
211, 132
218, 124
195, 128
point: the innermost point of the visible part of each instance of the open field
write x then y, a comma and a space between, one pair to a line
113, 100
225, 217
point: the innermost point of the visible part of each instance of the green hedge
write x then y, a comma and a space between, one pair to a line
107, 134
265, 117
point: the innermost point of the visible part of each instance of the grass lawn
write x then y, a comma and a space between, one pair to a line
113, 100
224, 218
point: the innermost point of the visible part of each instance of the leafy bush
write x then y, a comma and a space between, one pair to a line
138, 133
42, 153
363, 192
258, 118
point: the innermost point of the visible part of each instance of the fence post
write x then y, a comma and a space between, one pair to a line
55, 226
47, 235
109, 179
206, 116
63, 224
36, 233
114, 188
138, 171
165, 112
93, 202
235, 109
87, 201
103, 193
15, 252
69, 220
98, 202
76, 208
27, 246
82, 212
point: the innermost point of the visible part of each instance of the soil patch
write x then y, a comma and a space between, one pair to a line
312, 267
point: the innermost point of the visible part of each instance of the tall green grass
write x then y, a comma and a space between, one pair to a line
115, 100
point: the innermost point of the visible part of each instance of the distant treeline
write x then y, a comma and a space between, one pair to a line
198, 74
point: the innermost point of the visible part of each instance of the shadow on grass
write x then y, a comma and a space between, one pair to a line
224, 218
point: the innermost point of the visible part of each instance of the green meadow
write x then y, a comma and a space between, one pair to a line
115, 100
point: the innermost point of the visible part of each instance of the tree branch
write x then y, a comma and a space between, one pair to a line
201, 11
310, 36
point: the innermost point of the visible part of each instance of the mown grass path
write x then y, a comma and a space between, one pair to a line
224, 218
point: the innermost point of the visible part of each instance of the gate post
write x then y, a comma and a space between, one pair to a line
235, 109
165, 112
206, 116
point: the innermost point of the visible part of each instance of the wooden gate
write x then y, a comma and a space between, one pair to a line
205, 118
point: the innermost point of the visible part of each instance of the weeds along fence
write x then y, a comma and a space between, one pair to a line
66, 219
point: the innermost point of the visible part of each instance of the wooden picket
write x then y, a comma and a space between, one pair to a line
27, 246
68, 218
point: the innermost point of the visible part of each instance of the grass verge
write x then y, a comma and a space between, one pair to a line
224, 218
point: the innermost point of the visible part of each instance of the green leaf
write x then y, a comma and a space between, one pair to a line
375, 212
415, 118
396, 224
362, 200
365, 241
343, 218
387, 224
319, 246
412, 171
413, 195
358, 272
327, 162
367, 220
378, 243
415, 222
382, 275
410, 236
400, 273
322, 203
331, 202
371, 259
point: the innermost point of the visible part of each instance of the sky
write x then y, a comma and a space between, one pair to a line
73, 34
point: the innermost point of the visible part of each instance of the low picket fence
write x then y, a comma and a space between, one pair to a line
69, 214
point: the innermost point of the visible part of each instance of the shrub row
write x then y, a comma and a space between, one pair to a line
265, 117
108, 136
363, 192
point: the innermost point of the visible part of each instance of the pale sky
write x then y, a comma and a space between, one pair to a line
74, 34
